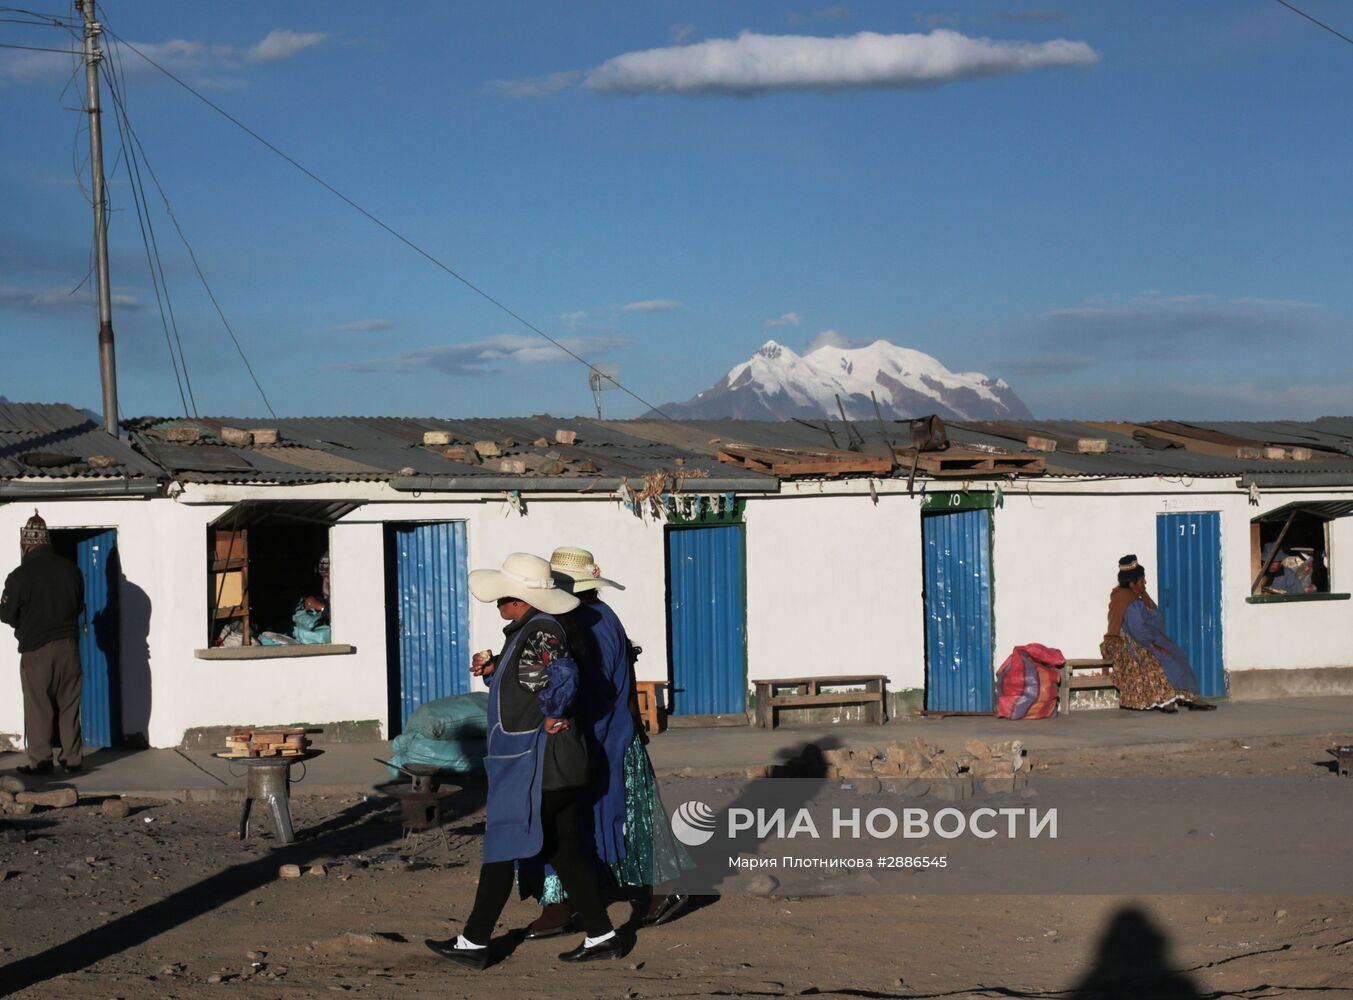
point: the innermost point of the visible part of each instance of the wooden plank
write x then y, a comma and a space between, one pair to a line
804, 461
843, 679
842, 698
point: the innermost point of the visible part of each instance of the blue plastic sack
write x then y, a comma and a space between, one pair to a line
449, 733
307, 628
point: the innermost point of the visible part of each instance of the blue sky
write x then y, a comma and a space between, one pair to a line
1127, 210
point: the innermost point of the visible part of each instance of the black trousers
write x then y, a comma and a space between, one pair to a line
561, 817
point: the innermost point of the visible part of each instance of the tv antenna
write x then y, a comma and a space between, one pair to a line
599, 379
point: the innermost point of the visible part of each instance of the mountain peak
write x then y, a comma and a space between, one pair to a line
778, 384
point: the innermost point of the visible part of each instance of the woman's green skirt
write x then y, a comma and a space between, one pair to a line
652, 855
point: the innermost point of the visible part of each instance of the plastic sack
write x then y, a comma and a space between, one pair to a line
458, 756
307, 628
1027, 683
449, 732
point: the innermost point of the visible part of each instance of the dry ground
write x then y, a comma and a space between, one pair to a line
166, 903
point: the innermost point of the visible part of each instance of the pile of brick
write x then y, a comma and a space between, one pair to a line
276, 742
999, 766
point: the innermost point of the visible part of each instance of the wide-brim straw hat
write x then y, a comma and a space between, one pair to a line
578, 570
525, 577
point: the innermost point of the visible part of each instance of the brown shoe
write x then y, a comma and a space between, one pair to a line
555, 919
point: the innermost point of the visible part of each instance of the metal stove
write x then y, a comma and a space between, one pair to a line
422, 806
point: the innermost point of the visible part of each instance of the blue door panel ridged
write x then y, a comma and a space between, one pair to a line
100, 697
958, 621
706, 620
1188, 556
433, 595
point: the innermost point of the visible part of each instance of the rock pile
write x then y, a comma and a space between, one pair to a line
996, 765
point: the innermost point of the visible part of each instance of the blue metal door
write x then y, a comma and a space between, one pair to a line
101, 693
706, 620
430, 597
958, 620
1188, 556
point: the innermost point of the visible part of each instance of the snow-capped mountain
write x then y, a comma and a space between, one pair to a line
777, 384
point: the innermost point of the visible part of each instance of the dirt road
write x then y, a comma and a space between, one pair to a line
166, 903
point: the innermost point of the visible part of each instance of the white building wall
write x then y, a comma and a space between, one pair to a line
834, 586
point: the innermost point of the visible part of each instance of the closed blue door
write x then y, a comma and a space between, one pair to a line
429, 597
101, 693
958, 620
1188, 578
706, 620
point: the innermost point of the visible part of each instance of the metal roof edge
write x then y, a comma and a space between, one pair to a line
567, 484
1273, 480
137, 486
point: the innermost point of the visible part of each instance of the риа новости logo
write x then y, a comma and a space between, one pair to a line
693, 823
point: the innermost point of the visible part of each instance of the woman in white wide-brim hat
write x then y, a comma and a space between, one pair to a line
630, 828
536, 762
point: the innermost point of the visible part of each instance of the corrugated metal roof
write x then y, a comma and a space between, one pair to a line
338, 449
57, 429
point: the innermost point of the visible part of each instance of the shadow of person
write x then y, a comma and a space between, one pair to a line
358, 828
134, 665
1132, 963
709, 858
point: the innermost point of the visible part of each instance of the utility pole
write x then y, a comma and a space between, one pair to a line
107, 358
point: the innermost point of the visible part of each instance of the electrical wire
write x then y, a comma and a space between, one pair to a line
151, 245
34, 48
426, 255
1298, 11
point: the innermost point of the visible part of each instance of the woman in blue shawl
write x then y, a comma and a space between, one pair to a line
1143, 632
629, 829
536, 762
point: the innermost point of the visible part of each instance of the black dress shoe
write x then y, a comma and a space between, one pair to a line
471, 958
44, 768
1167, 709
613, 947
1200, 706
669, 909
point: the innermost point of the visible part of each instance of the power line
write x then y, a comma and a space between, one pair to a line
151, 245
389, 229
36, 48
1322, 24
137, 146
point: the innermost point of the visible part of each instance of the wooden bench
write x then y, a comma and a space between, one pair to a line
1100, 680
808, 693
649, 696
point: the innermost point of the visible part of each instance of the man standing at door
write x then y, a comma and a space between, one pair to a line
42, 601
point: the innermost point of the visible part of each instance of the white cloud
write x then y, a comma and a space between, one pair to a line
281, 44
363, 326
753, 63
1164, 318
573, 319
1251, 300
48, 299
829, 338
785, 319
650, 306
484, 357
533, 86
682, 32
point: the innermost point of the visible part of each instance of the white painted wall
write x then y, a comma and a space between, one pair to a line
834, 587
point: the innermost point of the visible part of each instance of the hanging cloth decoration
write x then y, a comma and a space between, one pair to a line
729, 504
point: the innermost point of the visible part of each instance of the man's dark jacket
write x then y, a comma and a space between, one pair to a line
43, 599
